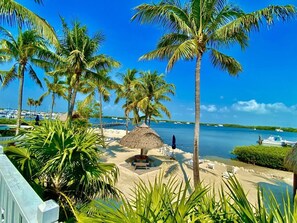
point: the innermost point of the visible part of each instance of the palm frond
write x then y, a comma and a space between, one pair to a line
225, 62
34, 76
9, 76
14, 13
168, 15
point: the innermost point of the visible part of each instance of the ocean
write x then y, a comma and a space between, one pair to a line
215, 142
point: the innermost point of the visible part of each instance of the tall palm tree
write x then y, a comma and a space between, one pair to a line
201, 26
151, 90
55, 88
24, 51
80, 56
30, 102
125, 91
14, 13
102, 83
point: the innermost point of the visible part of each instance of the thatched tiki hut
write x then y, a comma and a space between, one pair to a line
291, 164
142, 137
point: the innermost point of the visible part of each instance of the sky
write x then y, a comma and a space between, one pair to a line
264, 93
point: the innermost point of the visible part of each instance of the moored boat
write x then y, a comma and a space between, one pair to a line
277, 141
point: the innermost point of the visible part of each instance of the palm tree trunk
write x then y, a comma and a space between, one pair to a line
294, 185
72, 101
196, 174
100, 112
20, 101
68, 100
52, 107
127, 120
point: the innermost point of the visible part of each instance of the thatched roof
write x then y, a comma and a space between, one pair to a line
142, 137
291, 160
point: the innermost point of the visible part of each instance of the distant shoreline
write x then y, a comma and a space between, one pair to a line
253, 127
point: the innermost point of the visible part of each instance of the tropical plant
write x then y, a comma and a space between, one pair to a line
126, 91
201, 26
152, 89
102, 83
30, 103
14, 13
55, 88
88, 110
65, 161
170, 202
79, 53
27, 49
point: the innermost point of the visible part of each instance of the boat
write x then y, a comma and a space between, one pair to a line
277, 141
279, 130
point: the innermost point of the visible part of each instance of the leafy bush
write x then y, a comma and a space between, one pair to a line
64, 161
267, 156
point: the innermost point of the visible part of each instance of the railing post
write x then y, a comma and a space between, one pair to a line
48, 212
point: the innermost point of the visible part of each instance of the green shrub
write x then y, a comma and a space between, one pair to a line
267, 156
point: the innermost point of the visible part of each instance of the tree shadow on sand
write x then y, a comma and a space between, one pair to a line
180, 158
280, 191
112, 150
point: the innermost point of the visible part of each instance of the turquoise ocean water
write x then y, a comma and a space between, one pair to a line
214, 141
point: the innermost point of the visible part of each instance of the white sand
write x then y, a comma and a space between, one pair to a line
275, 180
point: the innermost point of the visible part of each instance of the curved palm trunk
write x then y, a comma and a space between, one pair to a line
100, 112
196, 174
68, 100
52, 107
20, 100
127, 120
72, 101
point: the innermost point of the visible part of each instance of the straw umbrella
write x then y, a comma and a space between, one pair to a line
291, 164
142, 137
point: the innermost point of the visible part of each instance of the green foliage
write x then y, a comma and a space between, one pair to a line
64, 160
89, 110
172, 201
7, 121
267, 156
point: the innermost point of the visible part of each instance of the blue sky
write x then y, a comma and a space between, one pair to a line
263, 94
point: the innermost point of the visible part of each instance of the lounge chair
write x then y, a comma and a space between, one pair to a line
189, 163
210, 166
231, 171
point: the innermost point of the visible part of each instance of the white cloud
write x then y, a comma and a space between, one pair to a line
262, 108
209, 108
224, 109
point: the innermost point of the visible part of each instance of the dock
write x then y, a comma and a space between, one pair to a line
106, 125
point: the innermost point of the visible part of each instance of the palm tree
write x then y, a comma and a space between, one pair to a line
25, 50
79, 51
14, 13
30, 102
37, 103
201, 26
151, 90
102, 83
55, 88
125, 91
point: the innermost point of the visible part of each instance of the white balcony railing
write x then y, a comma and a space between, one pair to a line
18, 201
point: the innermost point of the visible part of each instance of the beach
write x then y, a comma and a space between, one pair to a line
250, 176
